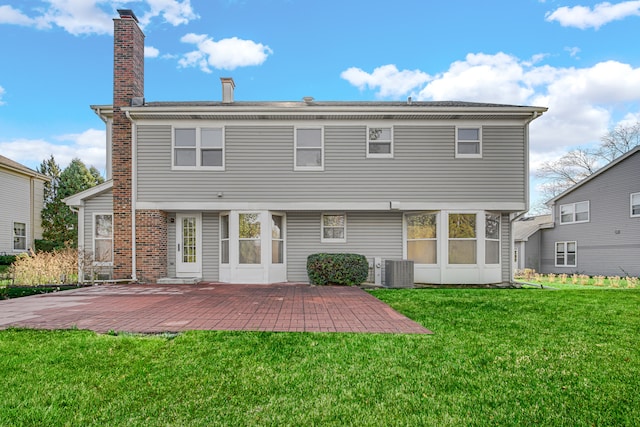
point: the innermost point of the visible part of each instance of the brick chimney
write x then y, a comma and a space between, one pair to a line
128, 83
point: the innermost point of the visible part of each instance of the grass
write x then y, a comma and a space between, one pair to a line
497, 357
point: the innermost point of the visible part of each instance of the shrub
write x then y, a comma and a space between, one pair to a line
337, 269
46, 268
47, 245
7, 259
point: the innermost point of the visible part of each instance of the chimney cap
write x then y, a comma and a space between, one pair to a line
127, 13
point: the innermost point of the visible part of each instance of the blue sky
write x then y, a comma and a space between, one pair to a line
579, 58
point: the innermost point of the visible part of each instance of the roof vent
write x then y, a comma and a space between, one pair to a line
137, 101
308, 99
409, 100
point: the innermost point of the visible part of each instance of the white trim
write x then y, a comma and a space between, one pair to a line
631, 196
390, 141
93, 240
325, 206
197, 147
322, 226
573, 213
566, 244
477, 155
295, 149
78, 199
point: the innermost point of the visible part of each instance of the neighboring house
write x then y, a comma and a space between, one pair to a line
526, 237
596, 223
245, 191
21, 201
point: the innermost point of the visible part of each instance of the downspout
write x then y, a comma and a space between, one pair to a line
134, 196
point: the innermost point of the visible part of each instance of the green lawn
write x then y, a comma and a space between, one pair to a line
497, 357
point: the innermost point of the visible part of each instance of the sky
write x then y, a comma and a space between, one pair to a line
579, 58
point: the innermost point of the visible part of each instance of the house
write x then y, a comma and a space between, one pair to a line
526, 238
243, 192
22, 196
595, 226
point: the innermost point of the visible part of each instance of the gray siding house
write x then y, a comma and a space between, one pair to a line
595, 228
527, 238
243, 192
20, 221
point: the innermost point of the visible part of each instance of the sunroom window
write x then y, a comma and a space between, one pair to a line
492, 238
462, 238
422, 237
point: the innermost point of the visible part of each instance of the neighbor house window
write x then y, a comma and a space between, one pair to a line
103, 239
462, 239
492, 238
334, 228
566, 254
574, 212
309, 149
379, 142
468, 142
19, 236
635, 205
224, 239
198, 148
422, 237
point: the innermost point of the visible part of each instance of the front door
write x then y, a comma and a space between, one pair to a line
188, 245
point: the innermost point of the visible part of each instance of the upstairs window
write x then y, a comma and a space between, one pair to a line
574, 213
198, 148
380, 142
19, 236
309, 149
635, 205
334, 228
468, 142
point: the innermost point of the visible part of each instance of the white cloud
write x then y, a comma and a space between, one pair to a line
390, 81
2, 91
581, 101
225, 54
80, 17
584, 17
151, 52
88, 146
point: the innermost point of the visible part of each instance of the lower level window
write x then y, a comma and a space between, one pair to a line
103, 238
334, 228
566, 254
422, 238
19, 236
462, 239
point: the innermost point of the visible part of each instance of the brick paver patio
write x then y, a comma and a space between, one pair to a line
209, 306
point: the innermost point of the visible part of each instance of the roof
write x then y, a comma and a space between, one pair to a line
7, 163
599, 172
527, 226
336, 110
79, 198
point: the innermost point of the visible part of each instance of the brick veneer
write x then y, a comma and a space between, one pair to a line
151, 245
128, 82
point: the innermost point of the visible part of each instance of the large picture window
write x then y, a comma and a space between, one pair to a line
379, 142
309, 149
422, 237
574, 212
103, 239
198, 148
566, 253
468, 142
462, 238
19, 236
334, 228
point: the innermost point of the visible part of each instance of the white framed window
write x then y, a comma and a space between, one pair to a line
422, 237
492, 238
635, 205
19, 236
380, 142
103, 239
198, 148
309, 149
277, 239
224, 239
469, 142
574, 212
250, 238
566, 254
334, 228
463, 238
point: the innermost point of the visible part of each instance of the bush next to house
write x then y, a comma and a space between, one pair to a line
7, 259
337, 269
48, 245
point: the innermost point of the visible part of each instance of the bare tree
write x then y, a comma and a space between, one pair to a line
618, 141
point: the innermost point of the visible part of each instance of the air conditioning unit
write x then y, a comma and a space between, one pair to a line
398, 274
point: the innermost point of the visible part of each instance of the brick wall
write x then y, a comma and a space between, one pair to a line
128, 82
151, 245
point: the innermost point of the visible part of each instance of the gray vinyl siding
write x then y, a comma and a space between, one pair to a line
368, 234
532, 251
609, 244
259, 167
14, 188
210, 246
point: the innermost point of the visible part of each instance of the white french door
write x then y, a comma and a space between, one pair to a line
252, 247
188, 245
